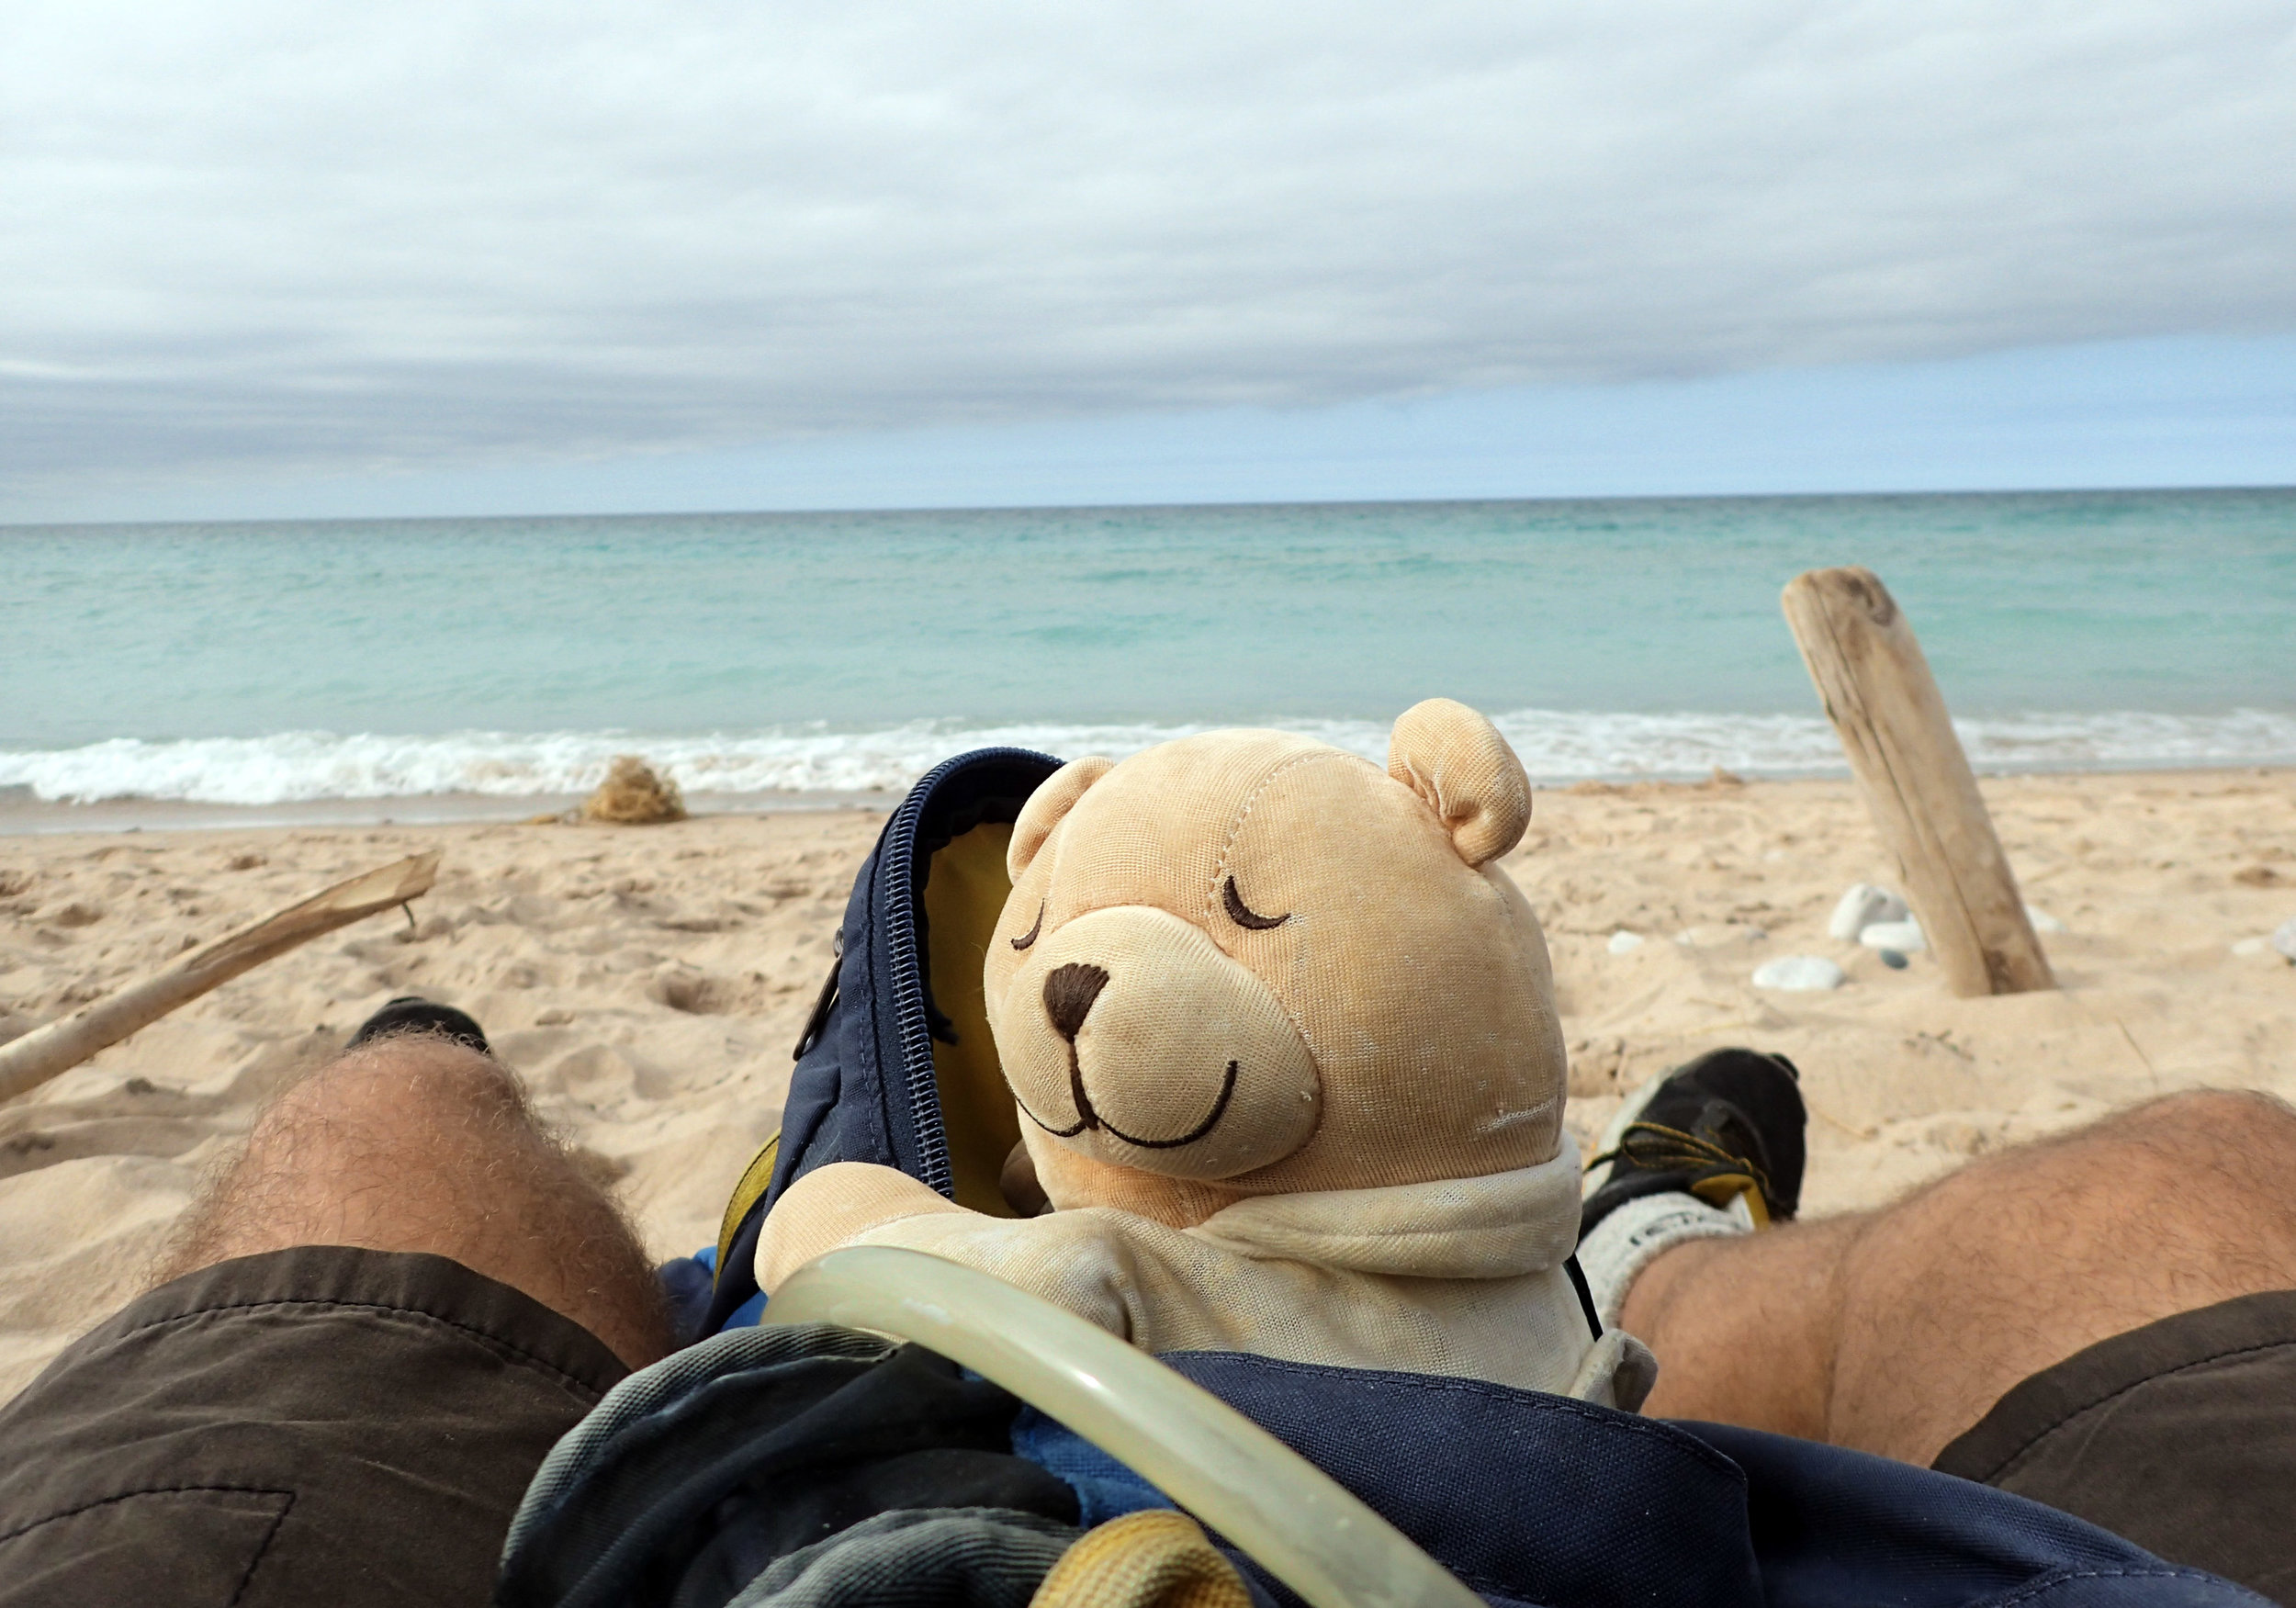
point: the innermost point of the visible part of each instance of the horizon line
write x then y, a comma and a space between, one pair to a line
1188, 505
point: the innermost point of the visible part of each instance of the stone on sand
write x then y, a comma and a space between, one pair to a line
2284, 938
1904, 937
1862, 907
1623, 942
1799, 973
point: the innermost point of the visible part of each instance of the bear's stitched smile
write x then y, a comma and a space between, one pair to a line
1088, 1118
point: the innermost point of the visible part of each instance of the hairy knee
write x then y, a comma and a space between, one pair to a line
2220, 1111
2213, 1127
418, 1085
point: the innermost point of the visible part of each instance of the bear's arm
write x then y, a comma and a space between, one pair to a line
835, 1206
1070, 1258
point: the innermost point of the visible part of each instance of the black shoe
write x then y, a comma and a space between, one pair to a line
1727, 1126
413, 1014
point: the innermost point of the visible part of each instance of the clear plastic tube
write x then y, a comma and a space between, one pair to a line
1285, 1513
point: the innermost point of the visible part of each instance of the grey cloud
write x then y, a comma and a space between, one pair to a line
258, 235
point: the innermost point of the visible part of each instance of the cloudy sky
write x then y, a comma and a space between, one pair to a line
279, 258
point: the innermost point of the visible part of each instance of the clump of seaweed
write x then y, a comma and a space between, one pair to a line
633, 796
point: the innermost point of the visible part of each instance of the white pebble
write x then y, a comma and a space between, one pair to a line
1860, 907
2251, 946
1623, 942
1904, 937
2043, 921
2284, 938
1798, 973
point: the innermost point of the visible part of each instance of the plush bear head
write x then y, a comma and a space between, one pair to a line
1248, 963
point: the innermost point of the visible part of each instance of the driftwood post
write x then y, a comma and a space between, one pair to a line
1886, 706
41, 1054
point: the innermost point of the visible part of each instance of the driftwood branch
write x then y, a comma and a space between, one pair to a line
41, 1054
1886, 707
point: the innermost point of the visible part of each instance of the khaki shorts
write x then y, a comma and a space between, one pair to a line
315, 1426
2180, 1435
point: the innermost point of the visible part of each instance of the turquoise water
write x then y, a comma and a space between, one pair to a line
295, 661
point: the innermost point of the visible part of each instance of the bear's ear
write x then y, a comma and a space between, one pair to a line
1055, 797
1456, 760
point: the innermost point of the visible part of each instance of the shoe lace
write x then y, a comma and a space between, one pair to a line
1717, 1174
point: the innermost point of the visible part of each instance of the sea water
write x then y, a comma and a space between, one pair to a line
845, 652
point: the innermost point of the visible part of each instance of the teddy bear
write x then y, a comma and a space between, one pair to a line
1282, 1037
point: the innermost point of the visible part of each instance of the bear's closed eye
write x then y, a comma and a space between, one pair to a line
1243, 915
1022, 943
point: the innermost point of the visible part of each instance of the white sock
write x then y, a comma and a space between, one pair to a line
1624, 1242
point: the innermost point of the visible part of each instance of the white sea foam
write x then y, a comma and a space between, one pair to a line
1557, 745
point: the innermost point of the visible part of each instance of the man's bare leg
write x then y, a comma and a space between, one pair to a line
418, 1143
1894, 1331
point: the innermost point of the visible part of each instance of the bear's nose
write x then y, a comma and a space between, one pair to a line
1069, 992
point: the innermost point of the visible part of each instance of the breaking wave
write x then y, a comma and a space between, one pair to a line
1556, 746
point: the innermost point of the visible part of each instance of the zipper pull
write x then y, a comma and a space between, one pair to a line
821, 1007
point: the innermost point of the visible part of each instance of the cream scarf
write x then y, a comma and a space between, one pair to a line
1456, 1276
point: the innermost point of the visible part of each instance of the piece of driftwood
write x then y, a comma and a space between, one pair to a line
1885, 705
41, 1054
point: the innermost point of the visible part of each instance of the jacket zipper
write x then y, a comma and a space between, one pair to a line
927, 1137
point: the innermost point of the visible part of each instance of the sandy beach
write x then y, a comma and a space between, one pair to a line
648, 983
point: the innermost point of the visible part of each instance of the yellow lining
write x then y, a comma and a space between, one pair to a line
754, 1179
964, 896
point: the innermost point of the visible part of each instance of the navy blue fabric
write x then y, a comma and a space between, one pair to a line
691, 1285
1104, 1488
688, 1283
863, 1090
1834, 1526
1529, 1497
1536, 1499
836, 1108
